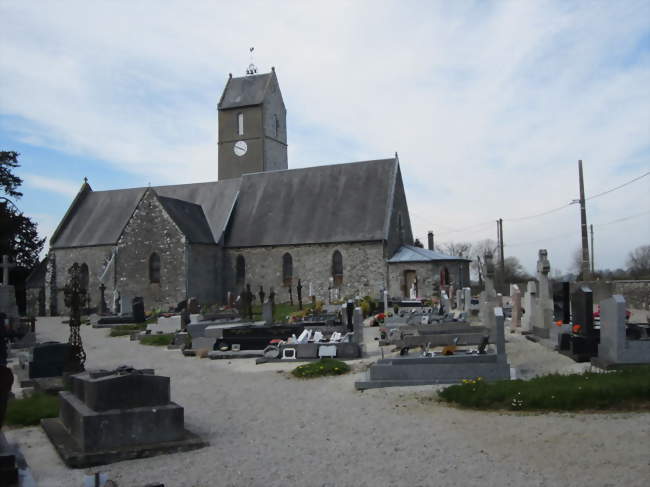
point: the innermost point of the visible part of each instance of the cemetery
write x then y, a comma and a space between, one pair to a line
201, 312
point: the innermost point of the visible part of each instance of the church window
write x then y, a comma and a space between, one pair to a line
240, 270
276, 121
154, 268
400, 229
84, 276
240, 123
287, 269
337, 268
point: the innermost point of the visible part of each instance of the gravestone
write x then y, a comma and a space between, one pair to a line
615, 347
166, 325
267, 312
103, 309
530, 304
428, 369
108, 416
489, 295
357, 326
349, 313
582, 343
138, 310
126, 305
47, 360
544, 305
467, 299
515, 295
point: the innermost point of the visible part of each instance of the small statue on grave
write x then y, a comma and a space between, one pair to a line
299, 291
75, 296
261, 294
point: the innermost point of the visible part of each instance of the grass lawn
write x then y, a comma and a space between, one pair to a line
627, 388
325, 366
30, 410
122, 330
157, 340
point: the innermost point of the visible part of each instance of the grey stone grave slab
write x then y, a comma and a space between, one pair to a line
615, 347
110, 416
442, 369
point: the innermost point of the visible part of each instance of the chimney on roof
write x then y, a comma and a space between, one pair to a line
430, 237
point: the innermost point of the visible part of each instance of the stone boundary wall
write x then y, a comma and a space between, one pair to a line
636, 293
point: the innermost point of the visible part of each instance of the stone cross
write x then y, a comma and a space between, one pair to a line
6, 266
544, 309
299, 290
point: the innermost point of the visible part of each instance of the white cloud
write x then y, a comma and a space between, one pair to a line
54, 185
490, 105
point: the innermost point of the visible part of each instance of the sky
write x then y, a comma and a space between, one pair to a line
489, 105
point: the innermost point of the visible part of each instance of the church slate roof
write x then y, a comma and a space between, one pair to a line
99, 217
245, 91
189, 218
324, 204
409, 253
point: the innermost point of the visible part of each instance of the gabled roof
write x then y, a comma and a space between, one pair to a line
189, 218
409, 253
323, 204
100, 216
245, 91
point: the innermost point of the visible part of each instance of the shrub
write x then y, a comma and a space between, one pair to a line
31, 409
325, 366
161, 340
625, 388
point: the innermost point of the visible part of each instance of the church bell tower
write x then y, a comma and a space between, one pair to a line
252, 125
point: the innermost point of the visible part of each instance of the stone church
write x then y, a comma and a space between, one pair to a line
343, 229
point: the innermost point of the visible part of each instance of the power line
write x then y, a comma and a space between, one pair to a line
619, 187
564, 235
547, 212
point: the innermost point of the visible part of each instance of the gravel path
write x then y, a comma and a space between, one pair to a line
266, 428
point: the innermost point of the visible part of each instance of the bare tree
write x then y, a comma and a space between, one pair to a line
638, 262
514, 271
457, 249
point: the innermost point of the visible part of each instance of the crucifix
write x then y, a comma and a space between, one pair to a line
6, 266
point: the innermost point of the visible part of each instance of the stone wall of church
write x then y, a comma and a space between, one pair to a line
428, 276
364, 269
152, 230
203, 278
94, 258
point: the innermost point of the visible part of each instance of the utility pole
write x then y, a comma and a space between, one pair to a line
591, 230
583, 226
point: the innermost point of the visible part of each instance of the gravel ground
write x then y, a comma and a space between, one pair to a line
266, 428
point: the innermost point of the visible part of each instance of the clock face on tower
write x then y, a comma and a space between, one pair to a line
240, 148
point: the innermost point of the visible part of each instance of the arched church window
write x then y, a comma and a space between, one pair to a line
240, 123
154, 268
337, 268
276, 123
84, 276
287, 269
240, 270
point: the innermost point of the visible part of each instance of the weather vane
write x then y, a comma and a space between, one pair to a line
252, 69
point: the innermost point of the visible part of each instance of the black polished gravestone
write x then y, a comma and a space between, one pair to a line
48, 360
582, 343
562, 302
137, 315
109, 416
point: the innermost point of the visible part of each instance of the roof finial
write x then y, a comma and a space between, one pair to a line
85, 180
252, 69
